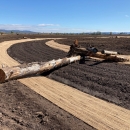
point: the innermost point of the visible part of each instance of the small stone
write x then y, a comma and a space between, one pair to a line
45, 119
46, 114
0, 115
18, 107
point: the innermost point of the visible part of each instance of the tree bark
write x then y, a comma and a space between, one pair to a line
109, 52
91, 53
33, 68
108, 57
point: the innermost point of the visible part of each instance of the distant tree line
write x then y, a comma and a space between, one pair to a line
83, 33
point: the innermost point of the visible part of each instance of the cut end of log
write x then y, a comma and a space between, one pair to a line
2, 76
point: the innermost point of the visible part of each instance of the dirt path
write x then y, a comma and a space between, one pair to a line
7, 60
97, 113
58, 46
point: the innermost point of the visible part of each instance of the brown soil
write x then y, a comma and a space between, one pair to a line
23, 109
22, 36
108, 81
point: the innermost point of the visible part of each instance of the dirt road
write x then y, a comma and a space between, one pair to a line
95, 112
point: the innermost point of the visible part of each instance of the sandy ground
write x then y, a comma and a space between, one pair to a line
58, 46
95, 112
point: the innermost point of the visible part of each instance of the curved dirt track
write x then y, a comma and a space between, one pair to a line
97, 113
7, 60
108, 81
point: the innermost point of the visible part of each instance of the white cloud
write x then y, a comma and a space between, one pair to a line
48, 28
127, 16
14, 27
44, 25
36, 28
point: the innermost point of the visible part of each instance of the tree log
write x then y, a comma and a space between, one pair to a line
109, 52
107, 57
33, 68
92, 53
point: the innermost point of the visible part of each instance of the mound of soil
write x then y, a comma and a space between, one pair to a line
108, 81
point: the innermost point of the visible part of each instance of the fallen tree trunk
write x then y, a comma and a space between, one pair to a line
92, 53
111, 58
33, 68
109, 52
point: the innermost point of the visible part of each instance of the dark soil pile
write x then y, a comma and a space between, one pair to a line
108, 81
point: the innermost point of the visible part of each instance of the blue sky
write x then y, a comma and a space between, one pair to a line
65, 16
